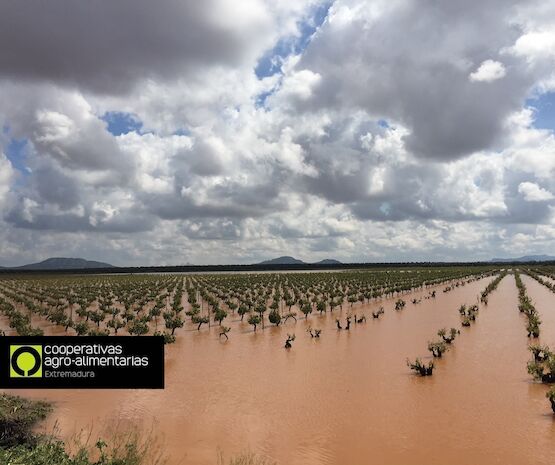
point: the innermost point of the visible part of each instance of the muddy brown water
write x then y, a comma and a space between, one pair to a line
347, 398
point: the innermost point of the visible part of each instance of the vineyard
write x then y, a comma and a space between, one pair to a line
162, 304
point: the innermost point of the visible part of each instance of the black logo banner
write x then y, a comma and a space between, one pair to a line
86, 362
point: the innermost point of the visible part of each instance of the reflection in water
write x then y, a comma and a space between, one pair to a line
348, 397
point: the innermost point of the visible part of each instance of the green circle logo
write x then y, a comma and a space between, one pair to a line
26, 361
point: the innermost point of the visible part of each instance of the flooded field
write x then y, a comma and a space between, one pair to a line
347, 397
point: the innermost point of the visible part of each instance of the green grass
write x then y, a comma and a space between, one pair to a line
17, 418
20, 446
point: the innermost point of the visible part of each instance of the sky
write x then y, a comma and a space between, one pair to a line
171, 132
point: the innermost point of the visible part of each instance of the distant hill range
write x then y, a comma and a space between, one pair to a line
59, 263
527, 258
328, 261
286, 260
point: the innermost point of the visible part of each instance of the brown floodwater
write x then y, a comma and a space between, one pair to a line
347, 398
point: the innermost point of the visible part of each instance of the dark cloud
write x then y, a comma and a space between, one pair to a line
231, 200
412, 65
203, 159
55, 187
108, 46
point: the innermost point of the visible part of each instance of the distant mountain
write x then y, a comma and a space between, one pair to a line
328, 261
285, 260
527, 258
59, 263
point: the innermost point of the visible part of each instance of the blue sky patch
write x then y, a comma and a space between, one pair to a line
16, 151
270, 63
385, 208
182, 132
544, 113
120, 122
261, 98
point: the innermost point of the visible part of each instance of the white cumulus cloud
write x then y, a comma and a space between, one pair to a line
488, 71
534, 193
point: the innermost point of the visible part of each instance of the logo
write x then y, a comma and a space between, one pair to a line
25, 361
74, 362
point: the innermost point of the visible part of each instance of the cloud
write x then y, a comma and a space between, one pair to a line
534, 193
299, 85
110, 47
6, 177
374, 56
535, 45
395, 130
488, 71
61, 124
